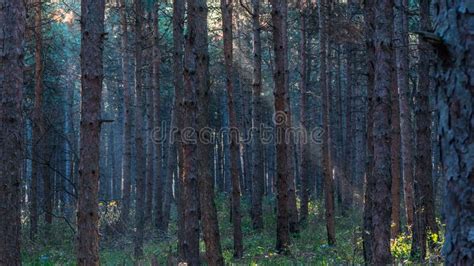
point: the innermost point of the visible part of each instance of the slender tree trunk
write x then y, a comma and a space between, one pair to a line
381, 209
13, 24
167, 185
348, 189
139, 130
92, 30
454, 86
190, 166
304, 115
424, 220
226, 9
282, 121
368, 232
406, 124
327, 162
178, 68
395, 155
151, 172
258, 176
159, 190
210, 225
38, 126
127, 136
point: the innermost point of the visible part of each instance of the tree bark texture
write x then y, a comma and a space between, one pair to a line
226, 9
12, 36
381, 209
281, 119
454, 85
92, 42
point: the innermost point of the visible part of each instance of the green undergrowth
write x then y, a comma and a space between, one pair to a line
309, 246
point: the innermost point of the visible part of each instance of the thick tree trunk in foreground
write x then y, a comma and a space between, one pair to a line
258, 174
279, 16
127, 136
406, 123
454, 84
139, 130
381, 208
326, 105
226, 8
92, 31
210, 227
13, 23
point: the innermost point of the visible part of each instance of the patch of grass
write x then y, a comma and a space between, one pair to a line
309, 246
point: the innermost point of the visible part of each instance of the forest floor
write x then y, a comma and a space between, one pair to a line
308, 247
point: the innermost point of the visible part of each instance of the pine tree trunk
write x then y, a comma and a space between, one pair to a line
454, 84
190, 165
150, 145
424, 220
13, 23
127, 136
423, 169
210, 226
381, 209
304, 115
395, 155
167, 184
406, 123
92, 31
178, 68
326, 106
38, 123
282, 121
139, 132
226, 9
258, 176
156, 61
368, 232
